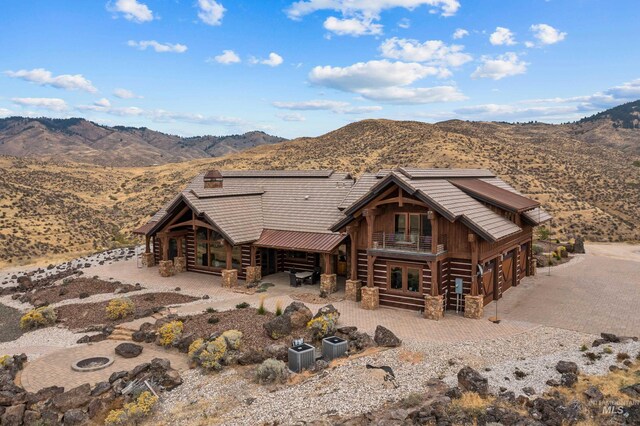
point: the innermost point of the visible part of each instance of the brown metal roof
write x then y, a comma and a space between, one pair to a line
296, 240
494, 195
144, 228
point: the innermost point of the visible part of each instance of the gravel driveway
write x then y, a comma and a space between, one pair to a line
9, 324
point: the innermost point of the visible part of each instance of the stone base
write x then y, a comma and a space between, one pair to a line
179, 264
433, 307
148, 260
328, 283
165, 267
352, 290
254, 274
229, 278
473, 306
370, 298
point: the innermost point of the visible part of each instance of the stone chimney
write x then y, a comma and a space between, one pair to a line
213, 179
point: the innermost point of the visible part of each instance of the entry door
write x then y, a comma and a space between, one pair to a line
508, 265
488, 280
268, 261
173, 248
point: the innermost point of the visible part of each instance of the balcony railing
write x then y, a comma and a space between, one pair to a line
402, 242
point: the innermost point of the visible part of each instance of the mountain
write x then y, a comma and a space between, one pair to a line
79, 140
53, 209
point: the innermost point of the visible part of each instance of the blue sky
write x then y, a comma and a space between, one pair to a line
193, 67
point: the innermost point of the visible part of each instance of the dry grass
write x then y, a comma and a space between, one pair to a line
609, 384
472, 403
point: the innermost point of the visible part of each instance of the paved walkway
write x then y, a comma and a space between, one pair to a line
595, 292
55, 369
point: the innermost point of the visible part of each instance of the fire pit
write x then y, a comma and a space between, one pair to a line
92, 364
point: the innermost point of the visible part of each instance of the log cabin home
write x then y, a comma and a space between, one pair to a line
420, 239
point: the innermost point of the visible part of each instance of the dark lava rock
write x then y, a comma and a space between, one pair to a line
138, 336
385, 337
567, 367
100, 388
128, 350
278, 327
593, 393
117, 375
75, 417
529, 391
299, 314
75, 398
519, 374
553, 383
13, 415
633, 391
610, 337
93, 338
568, 379
185, 341
472, 381
454, 393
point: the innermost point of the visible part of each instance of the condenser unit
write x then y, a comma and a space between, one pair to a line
301, 357
334, 347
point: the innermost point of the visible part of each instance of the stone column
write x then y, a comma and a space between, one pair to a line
229, 278
370, 298
180, 264
433, 307
148, 260
165, 267
352, 290
473, 306
328, 283
254, 274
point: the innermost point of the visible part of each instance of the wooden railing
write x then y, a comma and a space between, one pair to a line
402, 242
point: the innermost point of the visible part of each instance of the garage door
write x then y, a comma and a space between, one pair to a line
508, 266
488, 278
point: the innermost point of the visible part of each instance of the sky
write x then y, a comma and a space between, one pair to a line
303, 68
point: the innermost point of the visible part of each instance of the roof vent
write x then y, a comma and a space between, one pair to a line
306, 197
213, 179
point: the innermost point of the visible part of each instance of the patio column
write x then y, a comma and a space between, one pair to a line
328, 282
434, 303
180, 261
229, 275
165, 267
253, 273
353, 285
148, 258
370, 216
474, 303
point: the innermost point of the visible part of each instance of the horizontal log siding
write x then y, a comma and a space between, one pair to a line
306, 264
459, 268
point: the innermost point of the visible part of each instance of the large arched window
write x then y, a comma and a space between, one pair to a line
211, 252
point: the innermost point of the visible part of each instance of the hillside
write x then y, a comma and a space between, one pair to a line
79, 140
59, 209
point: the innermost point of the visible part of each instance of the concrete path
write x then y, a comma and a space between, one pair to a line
595, 292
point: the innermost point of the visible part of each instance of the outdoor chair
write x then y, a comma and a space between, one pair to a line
293, 280
315, 277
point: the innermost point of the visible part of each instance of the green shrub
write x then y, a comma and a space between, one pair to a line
636, 163
39, 317
211, 310
537, 249
261, 308
170, 333
607, 350
213, 320
271, 371
233, 338
242, 305
212, 354
323, 326
120, 308
583, 348
278, 308
543, 233
133, 412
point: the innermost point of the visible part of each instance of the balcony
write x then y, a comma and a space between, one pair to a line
412, 243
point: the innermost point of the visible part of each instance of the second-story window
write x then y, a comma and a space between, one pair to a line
410, 226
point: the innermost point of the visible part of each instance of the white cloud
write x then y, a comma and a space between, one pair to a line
125, 94
338, 107
104, 103
434, 52
367, 7
132, 10
273, 61
546, 34
404, 23
5, 112
44, 77
385, 81
158, 47
51, 104
502, 36
210, 12
501, 66
291, 117
352, 26
359, 16
460, 33
227, 57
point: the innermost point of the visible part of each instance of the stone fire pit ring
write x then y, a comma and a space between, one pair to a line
92, 363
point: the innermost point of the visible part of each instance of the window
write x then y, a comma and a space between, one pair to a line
405, 278
212, 253
401, 224
410, 226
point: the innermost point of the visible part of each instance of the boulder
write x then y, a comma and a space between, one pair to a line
299, 314
161, 373
185, 341
277, 351
31, 417
75, 417
472, 381
385, 337
128, 350
139, 336
359, 341
100, 388
75, 398
568, 379
567, 367
328, 310
117, 375
578, 246
632, 391
44, 394
610, 337
278, 327
594, 394
13, 415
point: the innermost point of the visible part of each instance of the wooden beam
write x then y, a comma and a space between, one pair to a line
435, 288
164, 241
352, 230
473, 242
229, 250
371, 260
327, 263
400, 198
176, 218
400, 201
434, 231
179, 241
253, 251
147, 244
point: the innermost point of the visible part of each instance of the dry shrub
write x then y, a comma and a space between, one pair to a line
169, 333
40, 317
120, 308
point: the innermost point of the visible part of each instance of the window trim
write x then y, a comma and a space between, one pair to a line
405, 278
407, 225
